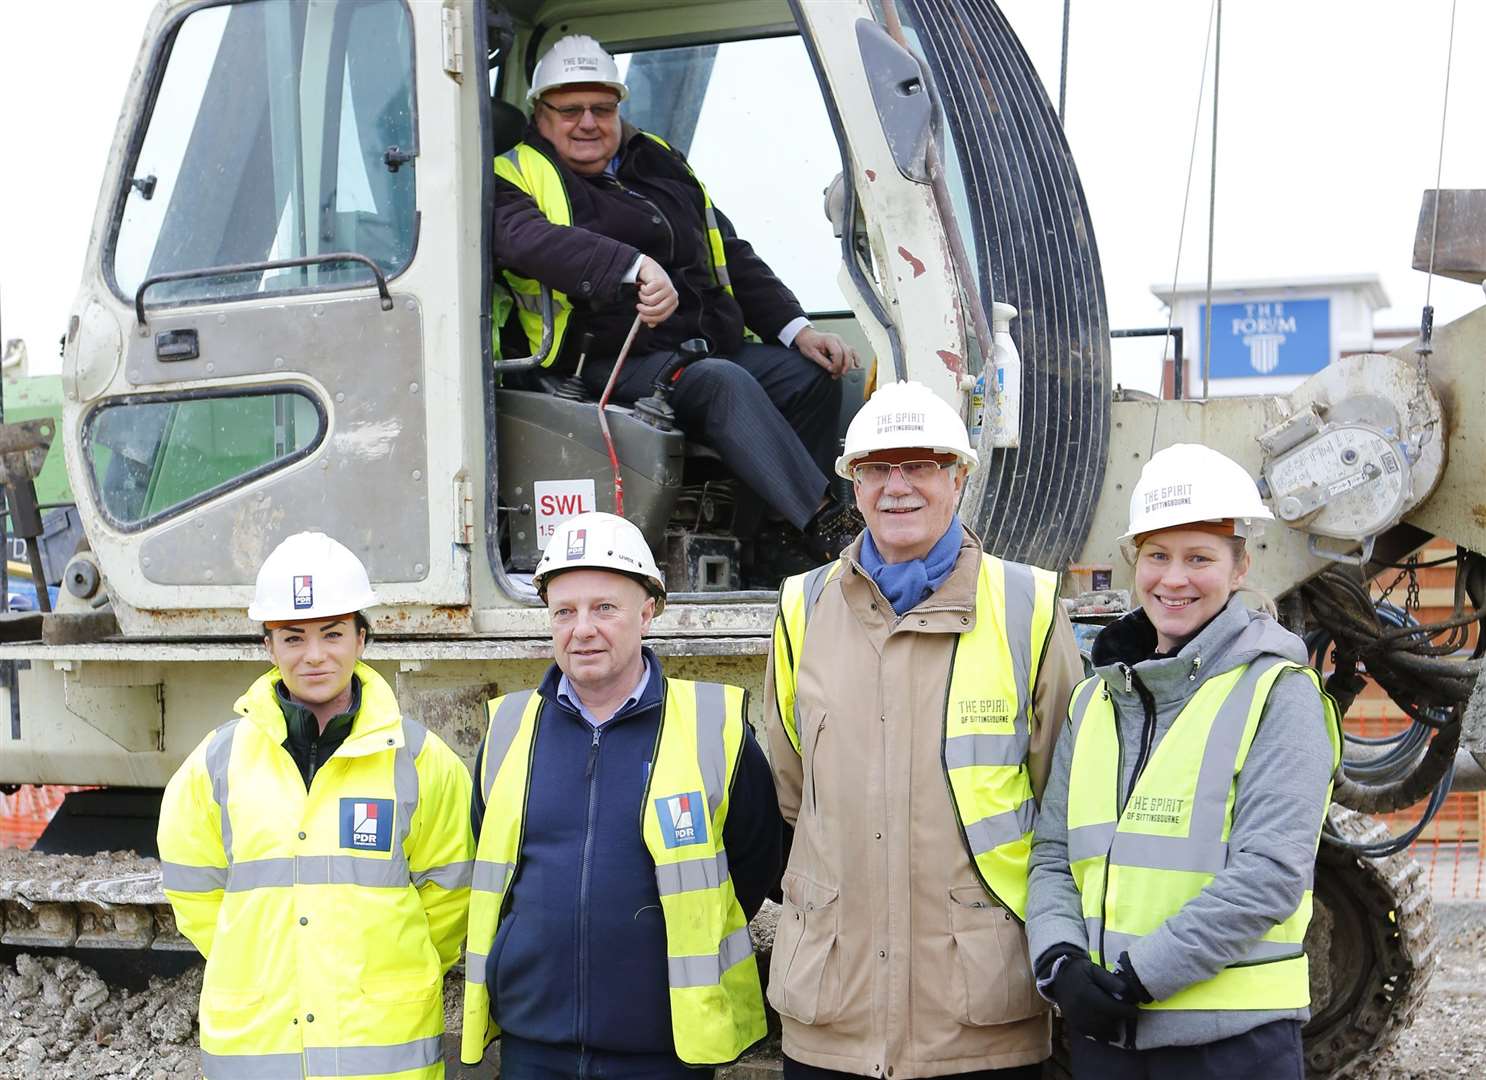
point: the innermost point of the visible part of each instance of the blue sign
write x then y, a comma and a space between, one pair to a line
1269, 337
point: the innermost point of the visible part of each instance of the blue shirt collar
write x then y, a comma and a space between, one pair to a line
568, 697
905, 585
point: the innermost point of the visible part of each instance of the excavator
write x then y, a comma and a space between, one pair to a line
290, 317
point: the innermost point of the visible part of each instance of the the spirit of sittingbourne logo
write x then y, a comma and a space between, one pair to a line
304, 592
366, 824
683, 819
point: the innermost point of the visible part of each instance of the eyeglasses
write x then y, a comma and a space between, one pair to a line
871, 474
604, 110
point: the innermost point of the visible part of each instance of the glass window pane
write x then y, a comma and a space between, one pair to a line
270, 139
763, 146
148, 458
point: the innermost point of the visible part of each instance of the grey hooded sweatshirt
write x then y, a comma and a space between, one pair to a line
1278, 807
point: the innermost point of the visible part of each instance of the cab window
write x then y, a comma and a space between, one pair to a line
280, 129
762, 143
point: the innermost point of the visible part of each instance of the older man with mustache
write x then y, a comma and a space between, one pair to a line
914, 695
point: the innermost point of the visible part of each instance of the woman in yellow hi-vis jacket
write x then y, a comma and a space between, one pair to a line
1170, 883
317, 849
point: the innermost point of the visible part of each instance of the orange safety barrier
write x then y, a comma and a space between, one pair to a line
24, 815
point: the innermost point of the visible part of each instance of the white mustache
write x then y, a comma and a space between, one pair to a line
901, 502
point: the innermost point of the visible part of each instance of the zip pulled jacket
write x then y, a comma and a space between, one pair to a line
1279, 804
652, 206
580, 957
328, 912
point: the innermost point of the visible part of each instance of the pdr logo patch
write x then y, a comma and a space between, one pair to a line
304, 591
683, 819
577, 543
366, 824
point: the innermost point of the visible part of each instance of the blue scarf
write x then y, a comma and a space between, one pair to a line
908, 584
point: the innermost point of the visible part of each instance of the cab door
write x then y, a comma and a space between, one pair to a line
251, 354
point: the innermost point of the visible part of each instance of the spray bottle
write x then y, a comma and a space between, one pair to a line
1005, 387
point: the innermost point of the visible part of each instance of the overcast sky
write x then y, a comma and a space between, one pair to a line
1328, 134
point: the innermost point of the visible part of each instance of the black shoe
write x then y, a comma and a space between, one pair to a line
832, 530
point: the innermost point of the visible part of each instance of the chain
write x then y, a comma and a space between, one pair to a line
1411, 595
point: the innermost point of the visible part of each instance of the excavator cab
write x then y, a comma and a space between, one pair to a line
286, 319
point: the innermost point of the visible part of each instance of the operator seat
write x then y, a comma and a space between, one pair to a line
507, 125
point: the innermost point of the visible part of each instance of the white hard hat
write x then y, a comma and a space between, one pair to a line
310, 576
1186, 483
905, 416
599, 541
576, 58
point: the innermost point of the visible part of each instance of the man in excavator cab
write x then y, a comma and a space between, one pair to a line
596, 210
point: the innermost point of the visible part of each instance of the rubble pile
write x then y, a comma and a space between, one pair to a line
58, 1018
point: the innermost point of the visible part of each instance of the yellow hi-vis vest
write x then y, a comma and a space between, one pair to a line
717, 1003
987, 726
534, 173
1137, 868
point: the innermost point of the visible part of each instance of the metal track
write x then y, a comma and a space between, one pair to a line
1035, 243
1372, 949
54, 902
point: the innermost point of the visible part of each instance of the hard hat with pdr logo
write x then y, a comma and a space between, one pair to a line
310, 576
599, 541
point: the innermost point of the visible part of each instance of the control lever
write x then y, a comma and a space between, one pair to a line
572, 388
656, 409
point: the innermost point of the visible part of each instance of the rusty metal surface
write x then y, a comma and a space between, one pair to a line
23, 448
1458, 235
1457, 373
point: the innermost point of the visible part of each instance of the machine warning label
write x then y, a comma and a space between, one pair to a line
558, 500
1157, 809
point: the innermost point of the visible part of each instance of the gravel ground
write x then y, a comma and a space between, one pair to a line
60, 1020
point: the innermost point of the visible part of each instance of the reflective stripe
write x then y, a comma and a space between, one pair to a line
989, 833
1093, 930
1191, 854
1083, 697
514, 158
373, 1060
712, 755
1021, 603
707, 970
1261, 951
1215, 775
1090, 841
813, 585
475, 964
964, 751
503, 727
218, 754
491, 877
714, 230
317, 870
690, 876
454, 875
252, 1066
260, 874
405, 791
526, 301
182, 878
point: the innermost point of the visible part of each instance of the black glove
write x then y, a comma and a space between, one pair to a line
1094, 1002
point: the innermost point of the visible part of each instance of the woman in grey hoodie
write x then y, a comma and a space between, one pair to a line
1170, 881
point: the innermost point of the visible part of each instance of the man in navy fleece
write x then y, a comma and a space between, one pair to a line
580, 977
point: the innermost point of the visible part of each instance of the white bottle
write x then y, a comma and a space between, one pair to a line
977, 408
1006, 386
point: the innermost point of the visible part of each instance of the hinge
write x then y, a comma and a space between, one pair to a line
453, 24
464, 511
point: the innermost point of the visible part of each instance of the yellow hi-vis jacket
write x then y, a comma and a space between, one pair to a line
986, 730
717, 1003
328, 917
534, 173
1136, 868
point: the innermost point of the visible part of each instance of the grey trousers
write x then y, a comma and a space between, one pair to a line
769, 412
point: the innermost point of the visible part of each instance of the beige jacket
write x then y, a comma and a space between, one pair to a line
890, 961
